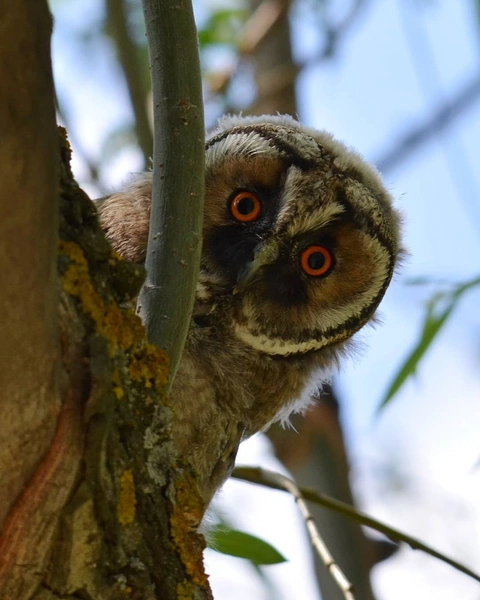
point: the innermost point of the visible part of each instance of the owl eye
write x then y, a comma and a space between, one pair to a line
316, 261
245, 206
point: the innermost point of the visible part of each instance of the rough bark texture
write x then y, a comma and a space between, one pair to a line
134, 512
29, 348
94, 502
109, 511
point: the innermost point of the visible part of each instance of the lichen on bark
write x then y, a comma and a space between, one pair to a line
129, 527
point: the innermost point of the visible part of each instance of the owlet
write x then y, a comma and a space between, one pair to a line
300, 241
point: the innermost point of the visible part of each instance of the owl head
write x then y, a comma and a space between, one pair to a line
300, 236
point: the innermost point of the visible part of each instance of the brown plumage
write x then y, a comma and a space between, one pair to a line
300, 242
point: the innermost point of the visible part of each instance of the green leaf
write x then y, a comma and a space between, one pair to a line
243, 545
222, 27
435, 319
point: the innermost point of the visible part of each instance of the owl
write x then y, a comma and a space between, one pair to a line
300, 241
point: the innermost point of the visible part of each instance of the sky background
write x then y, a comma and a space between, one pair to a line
414, 464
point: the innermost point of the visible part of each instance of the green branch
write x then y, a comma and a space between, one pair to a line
174, 245
276, 481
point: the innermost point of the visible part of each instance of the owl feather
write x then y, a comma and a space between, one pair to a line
300, 242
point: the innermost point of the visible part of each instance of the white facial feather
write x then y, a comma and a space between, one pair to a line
265, 334
239, 144
297, 195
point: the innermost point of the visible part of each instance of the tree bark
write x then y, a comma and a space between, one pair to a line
274, 66
95, 503
29, 344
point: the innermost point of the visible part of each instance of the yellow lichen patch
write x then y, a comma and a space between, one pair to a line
150, 367
120, 328
185, 518
76, 281
127, 500
185, 590
115, 257
117, 385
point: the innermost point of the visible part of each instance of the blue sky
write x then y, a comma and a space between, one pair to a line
413, 466
414, 463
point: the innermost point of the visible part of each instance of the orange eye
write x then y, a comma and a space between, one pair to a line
245, 206
316, 261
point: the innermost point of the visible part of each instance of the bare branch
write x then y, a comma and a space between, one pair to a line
259, 24
174, 245
127, 51
439, 121
315, 537
258, 28
275, 481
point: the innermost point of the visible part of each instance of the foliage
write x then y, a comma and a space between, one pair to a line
222, 27
439, 309
243, 545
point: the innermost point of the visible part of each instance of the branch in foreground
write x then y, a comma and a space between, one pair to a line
317, 542
174, 245
277, 481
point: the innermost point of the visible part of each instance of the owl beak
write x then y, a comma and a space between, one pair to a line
264, 254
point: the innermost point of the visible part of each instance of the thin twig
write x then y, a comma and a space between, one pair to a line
258, 27
280, 482
259, 24
316, 539
173, 252
270, 479
440, 119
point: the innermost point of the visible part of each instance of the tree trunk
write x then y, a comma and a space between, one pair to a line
94, 502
